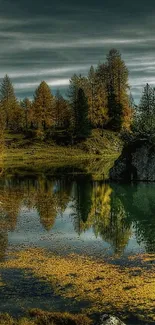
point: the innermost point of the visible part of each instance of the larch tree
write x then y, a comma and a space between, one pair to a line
94, 88
101, 116
43, 107
117, 88
26, 104
16, 118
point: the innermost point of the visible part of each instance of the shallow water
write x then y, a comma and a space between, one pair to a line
65, 213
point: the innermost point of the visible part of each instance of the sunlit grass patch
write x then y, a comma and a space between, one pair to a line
6, 319
20, 151
59, 318
126, 290
39, 317
1, 282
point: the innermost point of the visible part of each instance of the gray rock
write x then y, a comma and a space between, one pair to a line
110, 320
137, 163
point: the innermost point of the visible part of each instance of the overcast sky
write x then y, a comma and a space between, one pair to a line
50, 40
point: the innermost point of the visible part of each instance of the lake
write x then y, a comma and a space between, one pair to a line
69, 242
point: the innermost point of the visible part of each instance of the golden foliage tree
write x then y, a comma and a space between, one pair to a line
117, 87
43, 107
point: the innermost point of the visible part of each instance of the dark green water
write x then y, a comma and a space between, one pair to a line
65, 212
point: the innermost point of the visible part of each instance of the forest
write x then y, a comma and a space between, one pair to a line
101, 100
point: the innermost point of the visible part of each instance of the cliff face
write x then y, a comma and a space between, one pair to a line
136, 163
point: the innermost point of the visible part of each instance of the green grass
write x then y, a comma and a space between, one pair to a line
20, 152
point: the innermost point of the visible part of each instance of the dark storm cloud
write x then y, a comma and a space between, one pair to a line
52, 40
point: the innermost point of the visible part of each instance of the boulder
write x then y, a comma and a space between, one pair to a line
136, 163
110, 320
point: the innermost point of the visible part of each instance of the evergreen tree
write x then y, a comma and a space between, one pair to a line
147, 101
106, 89
94, 89
7, 90
81, 122
61, 111
72, 94
1, 137
27, 106
43, 107
145, 116
90, 92
57, 106
132, 104
9, 104
91, 74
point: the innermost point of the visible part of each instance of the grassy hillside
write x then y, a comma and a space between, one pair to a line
21, 151
106, 144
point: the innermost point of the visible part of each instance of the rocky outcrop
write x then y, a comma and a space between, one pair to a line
136, 163
110, 320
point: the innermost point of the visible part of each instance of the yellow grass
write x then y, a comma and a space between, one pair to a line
106, 286
39, 317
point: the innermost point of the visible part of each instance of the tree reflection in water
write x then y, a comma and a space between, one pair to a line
112, 211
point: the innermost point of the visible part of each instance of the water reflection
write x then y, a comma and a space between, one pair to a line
114, 214
112, 223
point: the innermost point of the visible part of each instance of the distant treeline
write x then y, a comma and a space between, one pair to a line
100, 100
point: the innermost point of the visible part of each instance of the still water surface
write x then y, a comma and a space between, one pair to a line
65, 213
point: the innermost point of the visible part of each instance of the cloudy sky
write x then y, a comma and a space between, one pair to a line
50, 40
